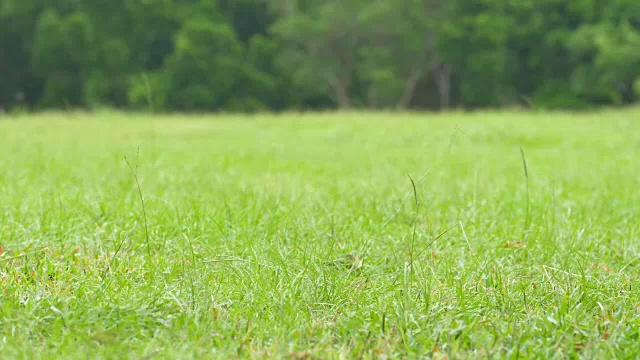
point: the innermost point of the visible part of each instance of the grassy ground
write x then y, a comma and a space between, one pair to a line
300, 237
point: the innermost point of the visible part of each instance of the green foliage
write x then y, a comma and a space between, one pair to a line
62, 54
148, 91
615, 63
204, 67
319, 48
278, 54
557, 95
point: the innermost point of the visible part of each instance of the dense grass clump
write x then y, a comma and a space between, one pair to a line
320, 236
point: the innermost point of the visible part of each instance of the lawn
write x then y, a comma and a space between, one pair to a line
299, 236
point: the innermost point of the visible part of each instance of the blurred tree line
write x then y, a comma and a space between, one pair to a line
251, 55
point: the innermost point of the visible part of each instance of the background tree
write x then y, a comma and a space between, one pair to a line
62, 54
252, 55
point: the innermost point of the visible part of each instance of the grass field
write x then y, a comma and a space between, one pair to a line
299, 236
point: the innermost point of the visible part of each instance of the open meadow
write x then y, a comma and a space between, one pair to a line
320, 236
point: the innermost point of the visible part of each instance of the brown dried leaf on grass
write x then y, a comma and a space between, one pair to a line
347, 262
603, 268
513, 244
300, 355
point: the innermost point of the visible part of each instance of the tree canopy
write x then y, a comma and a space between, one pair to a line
251, 55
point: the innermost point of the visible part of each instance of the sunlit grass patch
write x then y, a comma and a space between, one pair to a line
320, 236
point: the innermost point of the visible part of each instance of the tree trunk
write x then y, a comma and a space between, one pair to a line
442, 75
341, 92
287, 8
409, 88
372, 98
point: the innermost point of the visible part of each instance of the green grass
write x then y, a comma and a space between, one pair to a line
298, 236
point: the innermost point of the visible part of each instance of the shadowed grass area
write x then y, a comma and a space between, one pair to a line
302, 236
